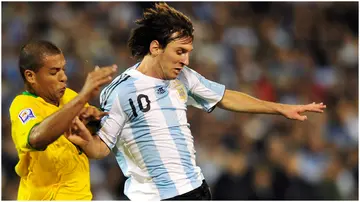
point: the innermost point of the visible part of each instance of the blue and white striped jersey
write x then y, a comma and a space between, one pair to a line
148, 132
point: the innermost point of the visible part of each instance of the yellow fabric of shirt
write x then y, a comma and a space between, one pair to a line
61, 171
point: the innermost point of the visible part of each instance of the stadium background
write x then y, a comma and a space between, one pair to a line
285, 52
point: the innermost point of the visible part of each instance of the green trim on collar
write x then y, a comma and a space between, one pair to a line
29, 94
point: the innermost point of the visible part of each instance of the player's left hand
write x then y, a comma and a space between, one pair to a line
91, 113
294, 111
78, 133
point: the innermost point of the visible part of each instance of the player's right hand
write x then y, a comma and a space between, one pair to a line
78, 133
96, 79
91, 113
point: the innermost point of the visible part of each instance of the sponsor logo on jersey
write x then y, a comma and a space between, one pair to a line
160, 90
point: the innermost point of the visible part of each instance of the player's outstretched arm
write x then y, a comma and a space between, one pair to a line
52, 127
92, 145
241, 102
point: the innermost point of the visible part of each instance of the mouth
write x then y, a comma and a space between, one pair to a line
178, 69
62, 90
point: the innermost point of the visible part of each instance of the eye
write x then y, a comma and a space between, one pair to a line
54, 71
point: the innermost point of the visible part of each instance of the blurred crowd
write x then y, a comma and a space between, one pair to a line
293, 53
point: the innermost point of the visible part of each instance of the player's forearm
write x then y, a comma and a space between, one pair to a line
96, 149
52, 127
241, 102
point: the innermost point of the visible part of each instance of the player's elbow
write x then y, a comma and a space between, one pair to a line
35, 141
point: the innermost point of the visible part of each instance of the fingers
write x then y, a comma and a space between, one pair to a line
78, 134
74, 127
313, 107
79, 124
96, 79
103, 81
102, 114
103, 73
91, 113
302, 118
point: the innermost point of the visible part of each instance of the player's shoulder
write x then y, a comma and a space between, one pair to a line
187, 75
24, 97
23, 100
119, 87
123, 81
187, 72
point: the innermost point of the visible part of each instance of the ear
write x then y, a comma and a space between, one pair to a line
155, 48
29, 76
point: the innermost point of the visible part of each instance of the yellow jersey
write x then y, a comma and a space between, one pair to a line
61, 171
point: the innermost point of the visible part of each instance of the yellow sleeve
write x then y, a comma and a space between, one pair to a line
24, 114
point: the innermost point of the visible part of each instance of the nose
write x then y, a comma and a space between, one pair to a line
63, 77
185, 59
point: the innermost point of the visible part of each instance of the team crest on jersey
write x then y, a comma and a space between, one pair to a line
180, 88
25, 115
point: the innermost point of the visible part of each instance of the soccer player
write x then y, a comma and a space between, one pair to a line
147, 128
50, 166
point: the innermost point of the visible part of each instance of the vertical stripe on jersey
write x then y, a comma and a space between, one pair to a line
172, 121
120, 158
150, 154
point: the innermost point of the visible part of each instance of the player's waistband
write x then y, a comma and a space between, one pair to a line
201, 193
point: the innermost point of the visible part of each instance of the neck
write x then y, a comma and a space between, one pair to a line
150, 67
32, 91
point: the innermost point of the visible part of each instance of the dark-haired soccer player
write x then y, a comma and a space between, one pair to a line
147, 128
50, 166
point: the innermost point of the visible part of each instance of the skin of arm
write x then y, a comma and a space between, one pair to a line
241, 102
96, 148
92, 145
51, 128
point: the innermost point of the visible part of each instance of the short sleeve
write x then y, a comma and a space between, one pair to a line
112, 124
24, 116
203, 93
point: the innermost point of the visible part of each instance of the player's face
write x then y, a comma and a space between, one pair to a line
175, 56
50, 81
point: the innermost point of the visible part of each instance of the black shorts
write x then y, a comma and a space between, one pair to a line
201, 193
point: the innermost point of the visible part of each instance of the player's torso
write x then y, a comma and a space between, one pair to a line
156, 113
157, 136
65, 156
52, 170
148, 102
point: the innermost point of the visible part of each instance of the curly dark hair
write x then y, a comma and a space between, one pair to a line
159, 23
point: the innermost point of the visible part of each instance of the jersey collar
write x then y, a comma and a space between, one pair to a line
29, 94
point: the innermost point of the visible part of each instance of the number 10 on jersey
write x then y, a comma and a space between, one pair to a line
140, 99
